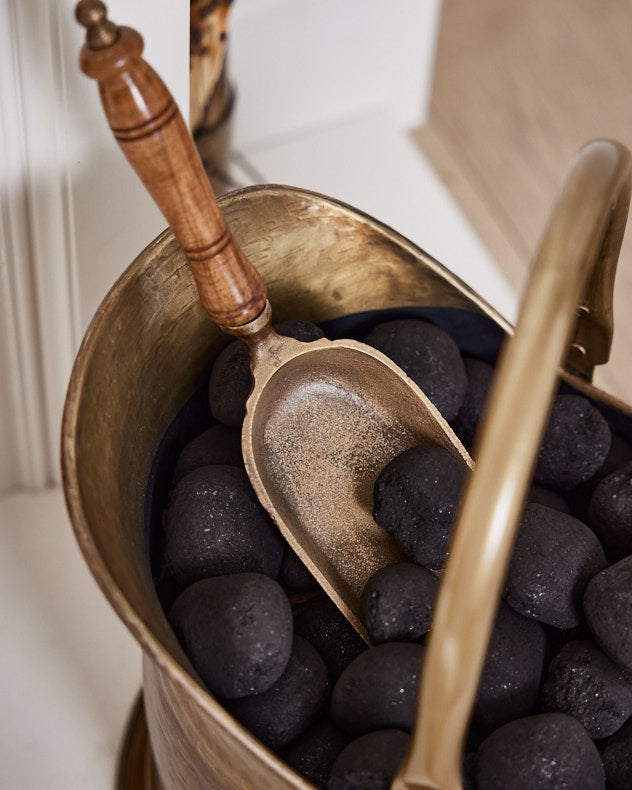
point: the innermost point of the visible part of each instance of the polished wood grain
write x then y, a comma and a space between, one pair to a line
209, 35
518, 89
155, 139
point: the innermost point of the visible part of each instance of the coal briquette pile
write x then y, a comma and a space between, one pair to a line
554, 706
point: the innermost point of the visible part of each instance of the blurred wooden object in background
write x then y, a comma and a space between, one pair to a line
518, 88
211, 95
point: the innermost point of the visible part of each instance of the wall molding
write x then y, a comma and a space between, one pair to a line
72, 216
38, 287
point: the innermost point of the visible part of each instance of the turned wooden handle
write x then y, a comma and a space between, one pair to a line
149, 128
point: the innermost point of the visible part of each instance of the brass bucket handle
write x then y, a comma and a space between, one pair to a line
583, 237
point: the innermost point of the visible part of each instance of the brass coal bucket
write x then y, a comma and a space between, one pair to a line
146, 351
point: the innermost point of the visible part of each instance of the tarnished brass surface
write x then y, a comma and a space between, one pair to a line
145, 352
583, 235
136, 765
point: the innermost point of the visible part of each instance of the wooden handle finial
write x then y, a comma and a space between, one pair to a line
149, 128
92, 14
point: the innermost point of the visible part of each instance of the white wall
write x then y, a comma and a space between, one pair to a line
73, 215
304, 65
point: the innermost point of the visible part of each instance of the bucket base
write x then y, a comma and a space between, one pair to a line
136, 770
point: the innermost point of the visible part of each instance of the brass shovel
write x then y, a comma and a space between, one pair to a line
323, 417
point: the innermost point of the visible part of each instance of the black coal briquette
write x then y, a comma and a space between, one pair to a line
415, 499
217, 445
509, 685
305, 331
546, 496
215, 525
326, 628
616, 753
429, 356
555, 555
575, 443
236, 630
396, 603
370, 762
608, 609
619, 455
314, 752
294, 576
479, 377
584, 682
230, 381
547, 751
610, 513
379, 689
292, 704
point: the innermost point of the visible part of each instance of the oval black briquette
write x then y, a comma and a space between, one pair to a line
236, 630
511, 676
297, 699
584, 682
379, 689
608, 609
555, 555
230, 381
575, 443
215, 525
370, 762
610, 513
429, 356
326, 628
415, 499
396, 603
217, 445
548, 751
546, 496
479, 377
314, 752
619, 455
294, 576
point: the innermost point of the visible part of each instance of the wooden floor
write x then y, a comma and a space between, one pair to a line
519, 88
